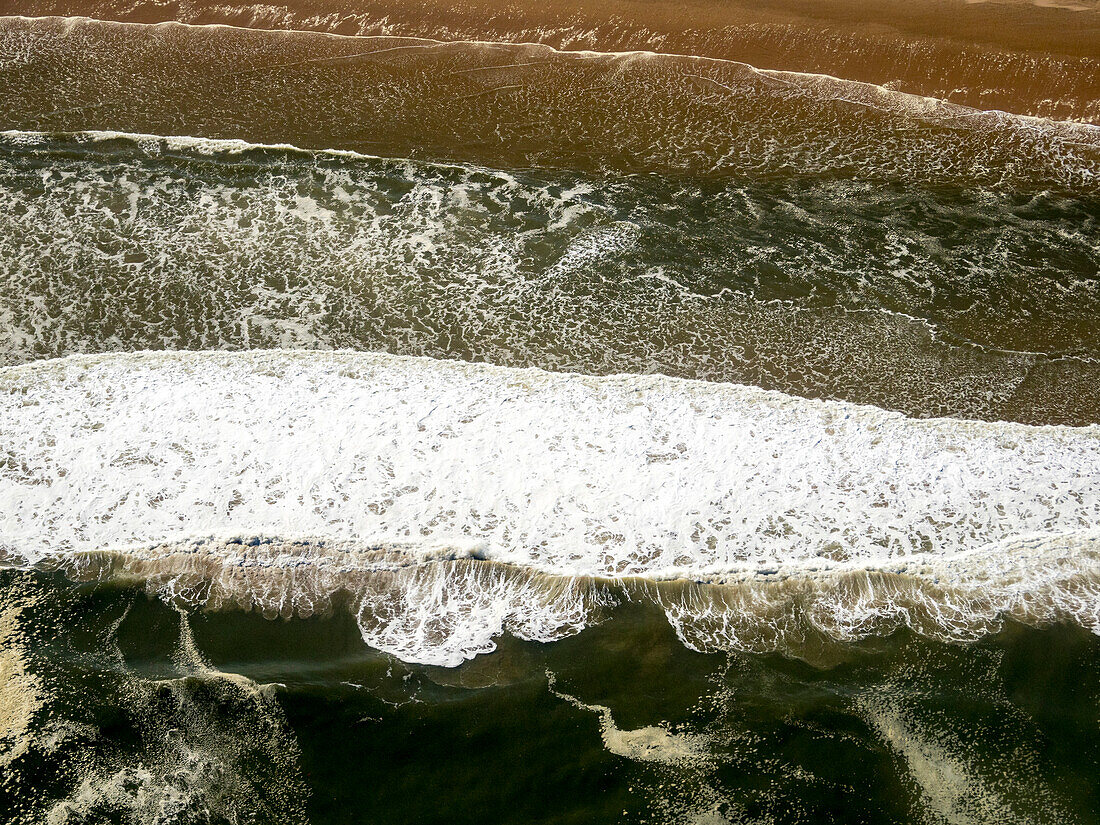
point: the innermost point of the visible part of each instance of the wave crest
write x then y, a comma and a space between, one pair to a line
442, 607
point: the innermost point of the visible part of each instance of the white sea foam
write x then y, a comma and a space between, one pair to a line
153, 145
653, 743
642, 478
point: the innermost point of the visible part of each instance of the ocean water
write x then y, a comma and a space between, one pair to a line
138, 712
438, 424
514, 105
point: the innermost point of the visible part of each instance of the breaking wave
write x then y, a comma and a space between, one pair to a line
457, 501
442, 606
967, 303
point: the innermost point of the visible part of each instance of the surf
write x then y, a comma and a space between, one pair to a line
113, 241
580, 479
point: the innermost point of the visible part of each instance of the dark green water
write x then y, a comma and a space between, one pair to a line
142, 714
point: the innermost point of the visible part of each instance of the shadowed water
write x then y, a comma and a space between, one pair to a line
144, 714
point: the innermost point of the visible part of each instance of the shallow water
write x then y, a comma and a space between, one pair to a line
1033, 58
517, 105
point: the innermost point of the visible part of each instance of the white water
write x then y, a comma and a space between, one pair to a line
639, 476
563, 473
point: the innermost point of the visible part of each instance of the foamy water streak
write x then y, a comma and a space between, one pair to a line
560, 475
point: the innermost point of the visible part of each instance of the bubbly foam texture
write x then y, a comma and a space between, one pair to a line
902, 297
954, 781
948, 787
958, 598
22, 694
206, 746
431, 605
440, 606
569, 474
640, 480
653, 743
214, 746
